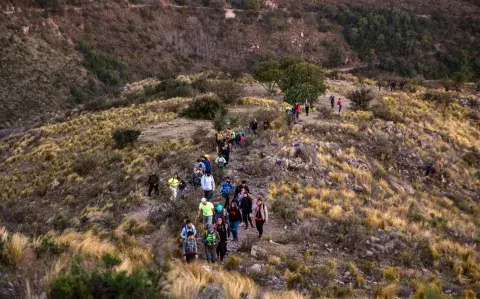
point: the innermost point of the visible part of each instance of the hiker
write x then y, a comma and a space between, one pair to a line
153, 184
206, 162
261, 215
219, 213
239, 188
241, 196
430, 169
211, 239
226, 188
238, 138
208, 185
189, 248
246, 207
402, 84
222, 230
224, 148
332, 101
339, 104
266, 124
231, 140
189, 227
173, 183
234, 217
393, 86
254, 126
297, 110
206, 208
184, 222
199, 167
182, 187
289, 116
307, 108
379, 84
220, 161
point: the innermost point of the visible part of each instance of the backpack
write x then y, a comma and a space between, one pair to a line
210, 239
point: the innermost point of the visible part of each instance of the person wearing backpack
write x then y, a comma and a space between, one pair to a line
266, 124
246, 207
226, 188
189, 248
211, 239
222, 230
153, 183
208, 165
254, 126
261, 215
234, 217
173, 183
219, 213
208, 185
189, 227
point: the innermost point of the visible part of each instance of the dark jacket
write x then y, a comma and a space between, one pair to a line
234, 214
246, 205
222, 231
153, 179
208, 166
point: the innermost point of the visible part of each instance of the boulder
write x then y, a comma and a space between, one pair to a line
212, 292
255, 268
258, 252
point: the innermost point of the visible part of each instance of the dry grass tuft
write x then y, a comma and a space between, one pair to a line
15, 248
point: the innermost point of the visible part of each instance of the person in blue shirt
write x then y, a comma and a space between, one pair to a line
226, 188
189, 227
208, 166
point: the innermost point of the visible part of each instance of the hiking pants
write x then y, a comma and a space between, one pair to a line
260, 224
208, 195
152, 187
227, 200
222, 249
234, 228
190, 258
339, 108
174, 192
207, 220
247, 218
331, 104
306, 110
211, 254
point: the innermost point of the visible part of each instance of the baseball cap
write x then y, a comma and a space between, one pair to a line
203, 200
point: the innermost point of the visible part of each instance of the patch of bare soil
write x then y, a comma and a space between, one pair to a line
175, 129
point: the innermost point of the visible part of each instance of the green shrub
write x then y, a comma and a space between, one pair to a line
232, 263
84, 166
286, 209
104, 282
170, 88
108, 69
443, 98
361, 98
300, 94
205, 107
125, 136
229, 92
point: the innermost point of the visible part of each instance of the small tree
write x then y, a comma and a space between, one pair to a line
268, 74
205, 107
125, 136
458, 79
303, 73
300, 94
361, 98
229, 92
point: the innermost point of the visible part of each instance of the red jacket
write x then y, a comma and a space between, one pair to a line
340, 102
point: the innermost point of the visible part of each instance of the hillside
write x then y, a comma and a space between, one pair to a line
57, 55
352, 212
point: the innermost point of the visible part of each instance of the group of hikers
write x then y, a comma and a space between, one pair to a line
293, 113
331, 99
220, 221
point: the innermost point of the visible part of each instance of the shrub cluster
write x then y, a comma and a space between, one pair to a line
170, 88
205, 107
361, 98
125, 136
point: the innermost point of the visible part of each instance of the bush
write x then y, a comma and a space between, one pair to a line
232, 263
125, 136
300, 94
84, 165
361, 98
229, 92
205, 107
170, 88
443, 98
108, 69
104, 282
284, 208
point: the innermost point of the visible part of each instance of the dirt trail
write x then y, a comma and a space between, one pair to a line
178, 128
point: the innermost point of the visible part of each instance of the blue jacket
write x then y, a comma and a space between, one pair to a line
185, 231
208, 167
226, 188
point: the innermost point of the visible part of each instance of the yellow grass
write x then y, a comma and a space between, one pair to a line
15, 248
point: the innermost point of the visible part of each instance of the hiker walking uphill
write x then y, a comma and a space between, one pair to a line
208, 185
307, 108
206, 210
173, 183
189, 248
153, 184
220, 161
266, 124
340, 105
260, 213
226, 188
332, 101
222, 230
234, 217
206, 162
254, 126
239, 188
211, 239
246, 207
223, 148
189, 227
